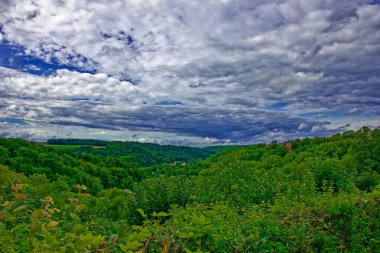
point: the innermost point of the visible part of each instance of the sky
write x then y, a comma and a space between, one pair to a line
184, 72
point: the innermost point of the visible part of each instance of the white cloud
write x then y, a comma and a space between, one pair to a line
302, 126
354, 111
71, 85
318, 129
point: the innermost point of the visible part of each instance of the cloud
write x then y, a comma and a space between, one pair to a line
117, 105
215, 69
354, 111
68, 85
320, 116
302, 126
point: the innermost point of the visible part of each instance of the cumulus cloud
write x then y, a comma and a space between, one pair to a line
212, 69
302, 126
318, 129
69, 85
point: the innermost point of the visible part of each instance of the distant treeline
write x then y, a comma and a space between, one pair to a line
77, 142
141, 154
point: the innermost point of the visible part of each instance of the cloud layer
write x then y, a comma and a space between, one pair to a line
228, 71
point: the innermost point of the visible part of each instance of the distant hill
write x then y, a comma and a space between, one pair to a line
88, 142
141, 154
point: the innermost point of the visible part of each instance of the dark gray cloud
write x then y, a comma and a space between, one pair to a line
232, 124
341, 16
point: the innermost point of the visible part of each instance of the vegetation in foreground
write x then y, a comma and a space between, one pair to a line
310, 195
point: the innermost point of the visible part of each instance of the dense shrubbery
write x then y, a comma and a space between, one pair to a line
310, 195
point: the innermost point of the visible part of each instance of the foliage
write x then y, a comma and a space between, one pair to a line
309, 195
141, 154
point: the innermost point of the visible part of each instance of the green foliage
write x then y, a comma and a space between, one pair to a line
309, 195
141, 154
95, 172
77, 142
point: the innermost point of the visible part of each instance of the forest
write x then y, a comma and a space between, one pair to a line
317, 194
141, 154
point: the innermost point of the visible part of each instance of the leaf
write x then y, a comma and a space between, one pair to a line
77, 227
32, 225
74, 217
113, 239
7, 204
52, 224
37, 213
79, 208
20, 196
3, 213
73, 200
124, 248
86, 237
162, 214
201, 220
134, 245
49, 199
234, 187
51, 240
141, 212
20, 208
17, 187
44, 231
185, 235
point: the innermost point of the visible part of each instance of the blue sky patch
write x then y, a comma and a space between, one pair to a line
169, 103
13, 56
13, 121
278, 106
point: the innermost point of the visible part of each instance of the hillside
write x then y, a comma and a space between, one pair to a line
141, 154
309, 195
